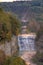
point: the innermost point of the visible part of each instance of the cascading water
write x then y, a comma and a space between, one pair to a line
26, 41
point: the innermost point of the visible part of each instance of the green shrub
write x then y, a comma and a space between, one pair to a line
17, 61
7, 61
14, 61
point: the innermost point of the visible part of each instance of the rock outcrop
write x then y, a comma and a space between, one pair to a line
39, 40
10, 48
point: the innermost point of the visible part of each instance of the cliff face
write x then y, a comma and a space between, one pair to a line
40, 44
10, 48
39, 40
33, 26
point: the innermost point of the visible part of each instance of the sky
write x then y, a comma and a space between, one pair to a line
6, 0
11, 0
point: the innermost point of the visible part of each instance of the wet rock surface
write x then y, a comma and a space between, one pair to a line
27, 56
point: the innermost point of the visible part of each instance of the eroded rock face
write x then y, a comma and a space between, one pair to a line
10, 48
39, 44
2, 57
33, 26
39, 41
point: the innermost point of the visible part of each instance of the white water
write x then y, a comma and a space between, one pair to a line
26, 42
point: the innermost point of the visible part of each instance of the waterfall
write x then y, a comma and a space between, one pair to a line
26, 42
